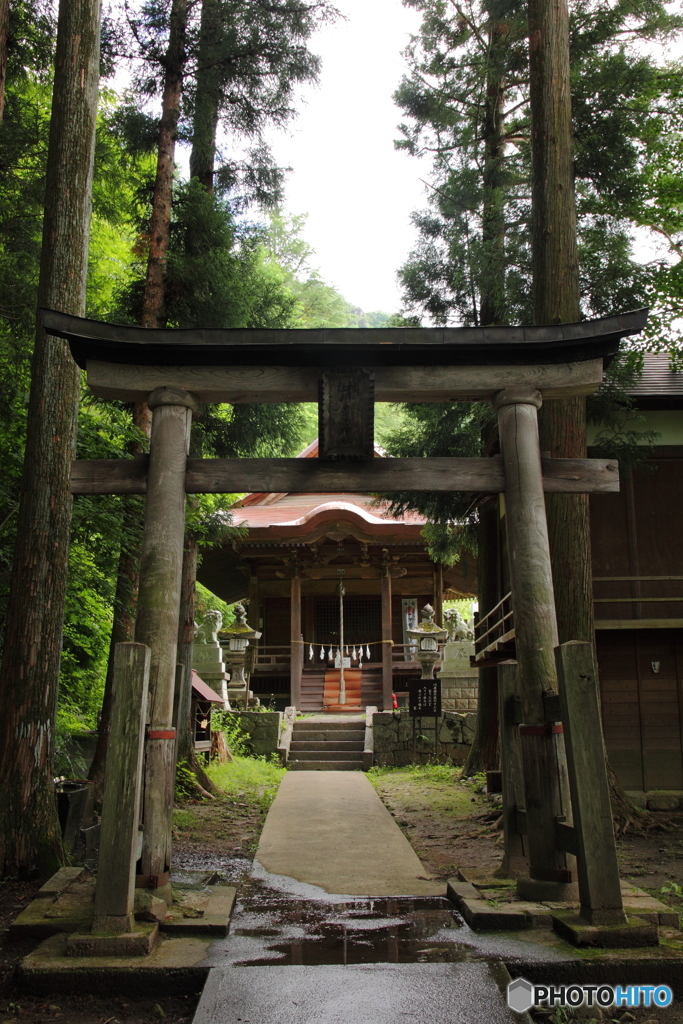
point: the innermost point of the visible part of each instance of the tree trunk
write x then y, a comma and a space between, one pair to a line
492, 284
30, 838
483, 755
162, 200
562, 422
185, 725
125, 600
185, 641
4, 33
208, 94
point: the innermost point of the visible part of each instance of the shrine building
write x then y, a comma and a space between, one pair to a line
298, 549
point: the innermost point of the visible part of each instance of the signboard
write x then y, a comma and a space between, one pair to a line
425, 698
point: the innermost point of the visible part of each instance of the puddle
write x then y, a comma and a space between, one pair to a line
276, 927
268, 928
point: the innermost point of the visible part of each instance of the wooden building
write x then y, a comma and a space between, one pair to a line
637, 556
637, 545
298, 550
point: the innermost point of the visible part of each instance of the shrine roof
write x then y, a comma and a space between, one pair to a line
299, 513
383, 346
658, 387
204, 690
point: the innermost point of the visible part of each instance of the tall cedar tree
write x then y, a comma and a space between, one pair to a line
30, 838
248, 60
162, 198
152, 314
4, 34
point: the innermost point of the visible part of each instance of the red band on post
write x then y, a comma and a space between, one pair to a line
541, 730
161, 734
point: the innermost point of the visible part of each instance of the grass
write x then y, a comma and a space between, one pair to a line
417, 773
232, 822
438, 786
253, 779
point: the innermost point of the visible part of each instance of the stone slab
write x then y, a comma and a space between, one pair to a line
174, 968
141, 942
61, 880
634, 934
330, 829
471, 892
214, 920
465, 993
66, 906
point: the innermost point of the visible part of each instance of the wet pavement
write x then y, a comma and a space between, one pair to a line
296, 953
465, 993
338, 921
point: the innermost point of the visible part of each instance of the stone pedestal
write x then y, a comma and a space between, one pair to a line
458, 679
207, 661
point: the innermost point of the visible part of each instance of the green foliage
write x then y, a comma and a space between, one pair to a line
235, 737
473, 244
435, 429
68, 761
185, 782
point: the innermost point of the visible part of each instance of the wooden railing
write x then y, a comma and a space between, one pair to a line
644, 594
272, 654
494, 633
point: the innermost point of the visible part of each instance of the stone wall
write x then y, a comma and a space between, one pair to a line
261, 730
393, 737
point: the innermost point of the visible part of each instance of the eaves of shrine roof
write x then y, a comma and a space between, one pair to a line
304, 512
658, 387
383, 346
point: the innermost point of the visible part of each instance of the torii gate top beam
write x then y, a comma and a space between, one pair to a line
473, 363
384, 346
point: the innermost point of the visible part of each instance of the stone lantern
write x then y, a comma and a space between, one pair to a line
238, 637
428, 636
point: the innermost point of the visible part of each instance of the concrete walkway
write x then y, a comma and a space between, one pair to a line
330, 829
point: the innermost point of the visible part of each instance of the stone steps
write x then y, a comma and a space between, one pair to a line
317, 754
322, 736
325, 766
316, 744
327, 745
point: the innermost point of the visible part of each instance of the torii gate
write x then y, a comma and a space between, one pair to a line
346, 371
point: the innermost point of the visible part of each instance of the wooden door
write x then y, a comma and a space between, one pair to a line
641, 680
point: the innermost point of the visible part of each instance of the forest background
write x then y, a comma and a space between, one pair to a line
236, 259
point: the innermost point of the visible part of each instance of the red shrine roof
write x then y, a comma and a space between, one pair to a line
204, 690
295, 514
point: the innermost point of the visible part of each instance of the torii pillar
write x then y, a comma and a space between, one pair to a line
533, 602
156, 625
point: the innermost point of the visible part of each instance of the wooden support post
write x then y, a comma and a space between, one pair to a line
438, 593
157, 619
119, 839
533, 604
598, 870
387, 675
296, 644
515, 862
254, 610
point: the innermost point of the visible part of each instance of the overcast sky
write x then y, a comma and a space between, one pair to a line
356, 188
